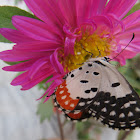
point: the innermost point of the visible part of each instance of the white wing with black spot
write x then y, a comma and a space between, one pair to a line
116, 103
79, 84
103, 93
80, 80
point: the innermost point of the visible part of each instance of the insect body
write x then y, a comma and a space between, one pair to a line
98, 90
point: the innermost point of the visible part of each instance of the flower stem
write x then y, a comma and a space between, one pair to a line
60, 125
125, 135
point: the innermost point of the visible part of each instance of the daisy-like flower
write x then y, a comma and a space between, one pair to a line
55, 43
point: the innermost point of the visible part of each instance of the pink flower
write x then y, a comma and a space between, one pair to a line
52, 46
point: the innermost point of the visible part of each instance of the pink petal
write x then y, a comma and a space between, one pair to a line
123, 56
119, 7
69, 46
14, 35
132, 23
99, 20
118, 25
134, 47
18, 79
15, 56
51, 89
34, 28
57, 76
103, 23
126, 36
57, 11
55, 63
42, 75
68, 8
52, 86
132, 19
89, 27
37, 66
89, 8
28, 83
23, 66
101, 5
38, 46
133, 28
45, 11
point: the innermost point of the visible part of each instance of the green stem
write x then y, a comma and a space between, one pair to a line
125, 135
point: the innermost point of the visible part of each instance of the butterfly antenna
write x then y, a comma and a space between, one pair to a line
87, 51
124, 48
118, 65
99, 53
91, 52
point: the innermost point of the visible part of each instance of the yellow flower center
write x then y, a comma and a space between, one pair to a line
84, 48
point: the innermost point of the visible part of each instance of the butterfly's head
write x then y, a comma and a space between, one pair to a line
96, 59
106, 59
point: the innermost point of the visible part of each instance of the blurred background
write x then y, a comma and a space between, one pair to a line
24, 118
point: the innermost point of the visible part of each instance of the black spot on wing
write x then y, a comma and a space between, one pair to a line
96, 73
89, 64
84, 81
66, 75
72, 75
80, 68
115, 84
87, 71
98, 62
94, 89
87, 91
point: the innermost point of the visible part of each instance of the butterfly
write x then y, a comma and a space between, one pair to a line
98, 90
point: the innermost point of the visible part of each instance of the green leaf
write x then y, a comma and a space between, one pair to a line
138, 91
134, 83
13, 63
135, 8
45, 110
82, 128
124, 69
6, 14
3, 39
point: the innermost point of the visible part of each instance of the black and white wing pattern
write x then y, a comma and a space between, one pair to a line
74, 95
97, 89
116, 104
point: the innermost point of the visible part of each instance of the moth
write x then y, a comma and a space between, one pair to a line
98, 90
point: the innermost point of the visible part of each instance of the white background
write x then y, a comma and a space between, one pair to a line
18, 119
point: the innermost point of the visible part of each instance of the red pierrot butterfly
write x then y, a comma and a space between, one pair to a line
97, 89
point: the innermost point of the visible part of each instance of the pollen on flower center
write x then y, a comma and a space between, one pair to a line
83, 48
